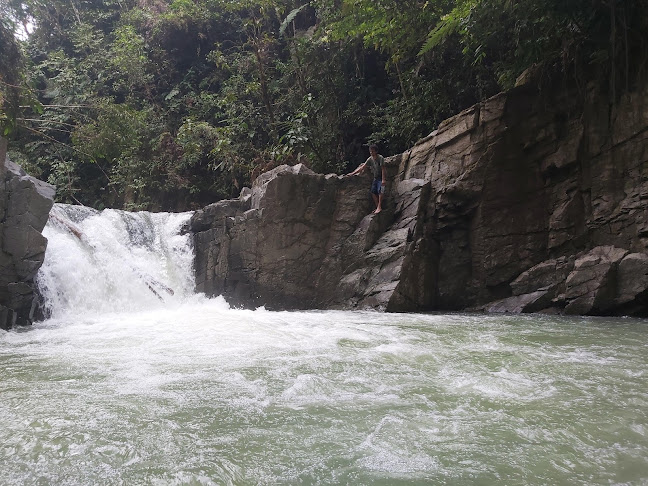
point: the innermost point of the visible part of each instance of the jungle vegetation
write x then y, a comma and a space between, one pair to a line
174, 104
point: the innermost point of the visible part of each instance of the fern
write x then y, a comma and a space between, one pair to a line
291, 16
449, 24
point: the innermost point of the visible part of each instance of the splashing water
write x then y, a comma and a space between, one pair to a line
99, 262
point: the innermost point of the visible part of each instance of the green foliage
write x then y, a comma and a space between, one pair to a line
173, 104
114, 133
12, 88
129, 58
449, 24
290, 18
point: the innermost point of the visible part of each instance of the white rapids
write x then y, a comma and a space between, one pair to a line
112, 260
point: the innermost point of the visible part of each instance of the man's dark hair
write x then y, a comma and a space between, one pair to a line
373, 146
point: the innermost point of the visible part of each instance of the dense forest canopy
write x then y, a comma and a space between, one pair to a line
173, 104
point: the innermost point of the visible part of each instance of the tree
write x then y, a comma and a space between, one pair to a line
172, 104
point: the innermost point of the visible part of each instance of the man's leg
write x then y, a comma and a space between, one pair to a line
378, 203
377, 193
375, 199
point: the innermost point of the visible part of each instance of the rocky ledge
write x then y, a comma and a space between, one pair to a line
525, 202
25, 203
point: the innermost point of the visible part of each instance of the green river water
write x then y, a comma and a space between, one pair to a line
120, 388
203, 394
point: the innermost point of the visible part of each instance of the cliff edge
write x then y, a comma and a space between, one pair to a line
525, 202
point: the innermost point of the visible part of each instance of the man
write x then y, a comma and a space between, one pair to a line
376, 163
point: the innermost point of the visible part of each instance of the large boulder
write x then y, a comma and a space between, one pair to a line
25, 203
266, 247
303, 241
632, 277
604, 280
519, 304
590, 288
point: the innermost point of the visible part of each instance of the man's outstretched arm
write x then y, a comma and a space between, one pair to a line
359, 170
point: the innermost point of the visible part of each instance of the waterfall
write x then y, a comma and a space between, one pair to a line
113, 261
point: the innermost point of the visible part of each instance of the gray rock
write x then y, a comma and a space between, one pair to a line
25, 203
524, 303
632, 278
203, 219
550, 274
591, 286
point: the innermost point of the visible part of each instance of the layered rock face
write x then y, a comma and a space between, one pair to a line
521, 203
25, 203
285, 243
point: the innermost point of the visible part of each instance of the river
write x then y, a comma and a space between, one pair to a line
129, 384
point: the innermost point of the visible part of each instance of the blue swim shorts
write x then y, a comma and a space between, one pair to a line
376, 186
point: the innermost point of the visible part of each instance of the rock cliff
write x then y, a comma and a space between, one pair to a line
25, 203
525, 202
